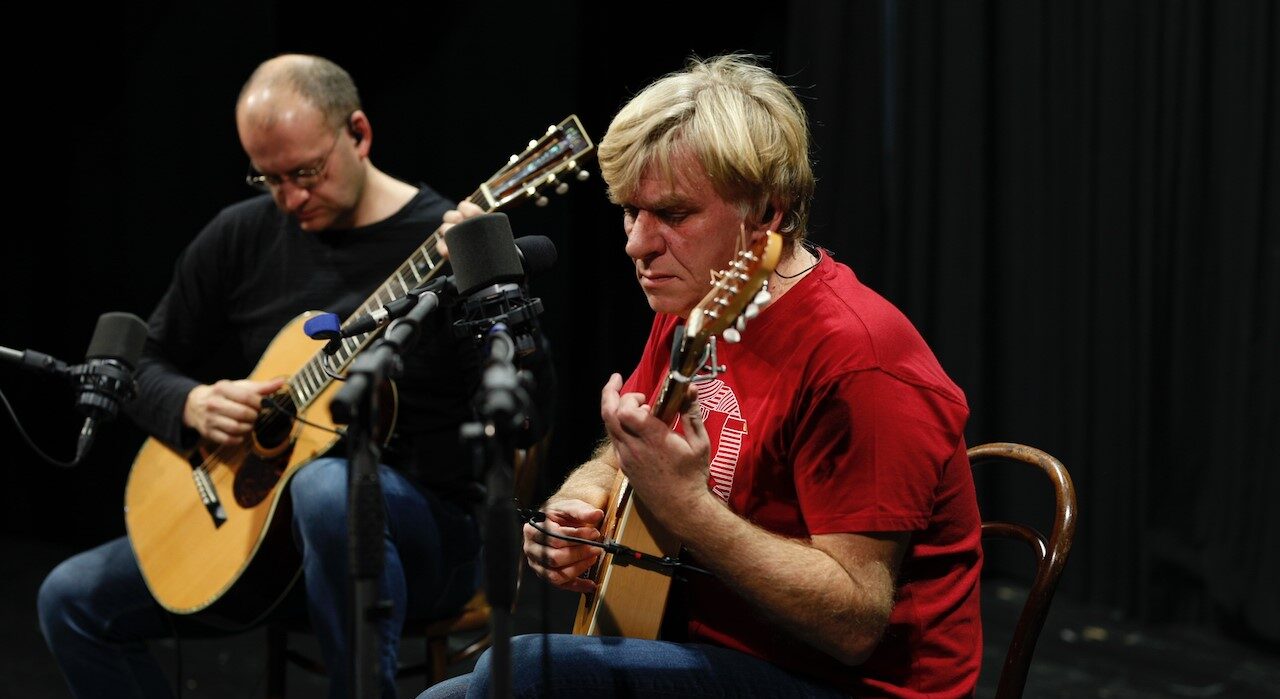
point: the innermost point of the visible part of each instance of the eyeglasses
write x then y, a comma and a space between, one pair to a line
302, 178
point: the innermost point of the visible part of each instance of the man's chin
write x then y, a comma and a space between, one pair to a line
663, 305
311, 223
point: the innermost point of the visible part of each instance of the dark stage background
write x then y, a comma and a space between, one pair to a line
1076, 203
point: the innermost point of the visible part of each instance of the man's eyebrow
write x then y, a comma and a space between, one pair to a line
664, 203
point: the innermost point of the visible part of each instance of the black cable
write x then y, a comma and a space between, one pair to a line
622, 555
815, 250
325, 364
276, 404
17, 423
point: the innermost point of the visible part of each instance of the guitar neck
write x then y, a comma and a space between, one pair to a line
421, 267
557, 152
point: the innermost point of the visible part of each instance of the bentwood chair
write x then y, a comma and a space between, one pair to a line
1050, 554
448, 641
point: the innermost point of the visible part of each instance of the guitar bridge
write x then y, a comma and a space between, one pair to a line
209, 496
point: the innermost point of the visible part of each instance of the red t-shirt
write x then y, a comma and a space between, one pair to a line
833, 416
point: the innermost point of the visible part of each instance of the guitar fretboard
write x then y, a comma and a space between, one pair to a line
423, 265
523, 175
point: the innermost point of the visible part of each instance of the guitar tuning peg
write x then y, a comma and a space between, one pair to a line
562, 188
551, 129
513, 158
732, 336
751, 311
762, 298
531, 144
740, 323
540, 201
583, 175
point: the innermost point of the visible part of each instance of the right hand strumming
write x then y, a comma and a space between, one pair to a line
225, 411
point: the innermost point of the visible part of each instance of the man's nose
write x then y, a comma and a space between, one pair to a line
644, 237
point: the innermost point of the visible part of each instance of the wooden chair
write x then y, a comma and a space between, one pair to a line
1051, 556
472, 621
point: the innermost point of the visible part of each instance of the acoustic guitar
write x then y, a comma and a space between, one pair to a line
210, 527
629, 600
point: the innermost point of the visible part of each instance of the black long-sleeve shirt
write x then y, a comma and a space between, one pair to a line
251, 270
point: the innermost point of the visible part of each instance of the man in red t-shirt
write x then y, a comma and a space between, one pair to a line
821, 477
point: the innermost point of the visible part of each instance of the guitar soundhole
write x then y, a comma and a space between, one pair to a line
275, 422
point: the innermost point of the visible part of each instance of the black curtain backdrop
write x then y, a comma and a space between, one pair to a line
1075, 202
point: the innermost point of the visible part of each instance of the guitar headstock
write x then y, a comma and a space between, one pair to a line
733, 290
549, 161
732, 299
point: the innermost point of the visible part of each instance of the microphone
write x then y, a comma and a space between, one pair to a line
105, 380
517, 377
534, 254
488, 272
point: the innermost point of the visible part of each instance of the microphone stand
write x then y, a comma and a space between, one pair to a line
355, 405
502, 405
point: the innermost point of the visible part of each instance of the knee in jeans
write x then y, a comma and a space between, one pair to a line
57, 597
319, 494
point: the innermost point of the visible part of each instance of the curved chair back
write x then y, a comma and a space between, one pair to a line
1051, 555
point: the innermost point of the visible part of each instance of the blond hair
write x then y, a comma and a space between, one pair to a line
740, 121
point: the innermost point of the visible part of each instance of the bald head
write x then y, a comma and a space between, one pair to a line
282, 82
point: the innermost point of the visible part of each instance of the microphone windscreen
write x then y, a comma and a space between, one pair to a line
537, 253
482, 252
118, 336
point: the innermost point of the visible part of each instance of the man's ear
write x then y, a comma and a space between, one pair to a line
771, 216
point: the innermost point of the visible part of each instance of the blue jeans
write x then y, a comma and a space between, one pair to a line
97, 614
591, 666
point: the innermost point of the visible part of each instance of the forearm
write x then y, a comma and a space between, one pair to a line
837, 601
158, 407
592, 481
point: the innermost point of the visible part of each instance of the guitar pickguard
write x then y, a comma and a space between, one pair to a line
258, 476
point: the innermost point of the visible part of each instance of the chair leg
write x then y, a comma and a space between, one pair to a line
437, 658
277, 663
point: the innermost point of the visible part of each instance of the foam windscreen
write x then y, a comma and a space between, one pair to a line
118, 336
482, 252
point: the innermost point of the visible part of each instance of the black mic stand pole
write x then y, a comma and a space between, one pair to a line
503, 404
355, 405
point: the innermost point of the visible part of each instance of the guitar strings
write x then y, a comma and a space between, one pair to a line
224, 453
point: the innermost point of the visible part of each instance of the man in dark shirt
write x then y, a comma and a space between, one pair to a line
330, 228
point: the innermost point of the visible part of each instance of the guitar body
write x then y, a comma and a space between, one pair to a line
234, 561
628, 601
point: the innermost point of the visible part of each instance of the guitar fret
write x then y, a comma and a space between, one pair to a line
317, 376
427, 258
401, 280
312, 383
414, 269
304, 387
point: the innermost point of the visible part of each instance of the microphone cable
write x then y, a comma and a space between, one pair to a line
22, 431
275, 403
622, 555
